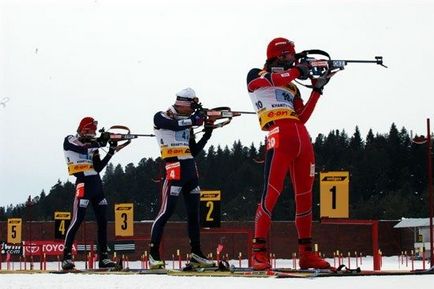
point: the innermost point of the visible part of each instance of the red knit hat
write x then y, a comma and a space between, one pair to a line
87, 124
279, 46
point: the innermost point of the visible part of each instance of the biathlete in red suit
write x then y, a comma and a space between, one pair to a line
282, 114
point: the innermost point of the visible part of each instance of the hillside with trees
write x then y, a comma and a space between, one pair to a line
387, 180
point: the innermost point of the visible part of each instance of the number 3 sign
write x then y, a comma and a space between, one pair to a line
124, 220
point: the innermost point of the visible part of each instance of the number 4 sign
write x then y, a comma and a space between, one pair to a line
334, 196
61, 224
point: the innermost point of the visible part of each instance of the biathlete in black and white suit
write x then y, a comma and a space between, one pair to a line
174, 133
83, 160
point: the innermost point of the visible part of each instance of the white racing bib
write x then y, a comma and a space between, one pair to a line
80, 163
174, 143
273, 103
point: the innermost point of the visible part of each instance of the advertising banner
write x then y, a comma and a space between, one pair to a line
48, 247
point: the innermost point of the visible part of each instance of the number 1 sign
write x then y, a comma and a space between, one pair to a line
334, 194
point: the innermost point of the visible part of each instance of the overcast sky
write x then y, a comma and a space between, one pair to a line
122, 61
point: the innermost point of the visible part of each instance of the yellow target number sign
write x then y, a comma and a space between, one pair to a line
210, 209
61, 224
334, 194
14, 230
124, 220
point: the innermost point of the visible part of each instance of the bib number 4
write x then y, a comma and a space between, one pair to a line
173, 171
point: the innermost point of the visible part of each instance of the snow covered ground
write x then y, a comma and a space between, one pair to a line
88, 281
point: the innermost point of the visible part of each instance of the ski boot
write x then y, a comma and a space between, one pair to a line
199, 260
155, 261
67, 263
260, 260
309, 259
105, 261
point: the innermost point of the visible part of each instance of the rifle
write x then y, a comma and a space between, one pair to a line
219, 113
115, 136
327, 67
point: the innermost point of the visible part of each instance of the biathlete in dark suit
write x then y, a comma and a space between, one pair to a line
83, 160
174, 133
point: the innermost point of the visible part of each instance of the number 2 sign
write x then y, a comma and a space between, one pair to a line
210, 209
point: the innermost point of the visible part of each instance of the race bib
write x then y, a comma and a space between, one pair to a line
273, 139
169, 152
267, 116
79, 190
173, 171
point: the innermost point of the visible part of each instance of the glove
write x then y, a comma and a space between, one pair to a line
209, 121
304, 69
319, 83
207, 131
113, 144
197, 118
103, 139
112, 148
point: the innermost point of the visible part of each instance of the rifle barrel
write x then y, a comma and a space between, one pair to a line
148, 135
129, 136
244, 112
378, 60
361, 61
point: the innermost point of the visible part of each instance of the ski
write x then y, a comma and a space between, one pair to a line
343, 271
158, 271
218, 271
90, 271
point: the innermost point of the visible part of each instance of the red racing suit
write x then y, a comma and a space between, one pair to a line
282, 113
